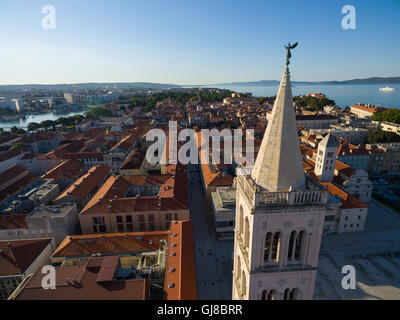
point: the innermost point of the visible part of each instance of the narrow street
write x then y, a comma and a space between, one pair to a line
213, 257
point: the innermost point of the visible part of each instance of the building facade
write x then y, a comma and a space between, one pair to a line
279, 215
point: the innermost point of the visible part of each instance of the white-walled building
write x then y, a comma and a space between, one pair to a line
326, 158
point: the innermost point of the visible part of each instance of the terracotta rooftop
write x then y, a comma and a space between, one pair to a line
11, 173
86, 184
111, 197
368, 108
83, 155
79, 283
134, 159
343, 168
69, 169
180, 275
17, 186
348, 201
11, 154
110, 243
13, 221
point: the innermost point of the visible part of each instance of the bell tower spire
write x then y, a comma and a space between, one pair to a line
278, 165
280, 215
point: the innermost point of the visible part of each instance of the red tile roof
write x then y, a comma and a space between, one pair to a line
69, 169
86, 184
180, 275
13, 221
17, 255
110, 243
173, 193
348, 201
79, 283
11, 173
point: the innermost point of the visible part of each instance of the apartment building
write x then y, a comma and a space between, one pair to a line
138, 203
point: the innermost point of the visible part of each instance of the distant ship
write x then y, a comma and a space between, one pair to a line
387, 89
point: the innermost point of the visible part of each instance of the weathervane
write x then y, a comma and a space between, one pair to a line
289, 54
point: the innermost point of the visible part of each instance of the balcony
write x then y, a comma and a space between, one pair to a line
315, 194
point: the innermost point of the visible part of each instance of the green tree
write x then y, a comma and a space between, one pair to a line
47, 124
377, 136
14, 130
16, 146
33, 126
98, 112
313, 103
390, 115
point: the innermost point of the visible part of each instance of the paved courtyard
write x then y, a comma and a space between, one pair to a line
375, 254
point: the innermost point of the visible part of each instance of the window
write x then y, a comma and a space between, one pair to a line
299, 243
290, 294
268, 295
99, 225
267, 247
119, 219
291, 244
275, 247
152, 226
222, 224
271, 247
168, 217
151, 217
128, 219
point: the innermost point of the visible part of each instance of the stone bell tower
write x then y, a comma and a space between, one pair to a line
279, 215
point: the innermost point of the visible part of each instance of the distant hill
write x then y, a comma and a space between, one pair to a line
151, 85
373, 80
90, 85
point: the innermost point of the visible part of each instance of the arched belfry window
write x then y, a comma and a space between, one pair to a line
291, 245
286, 294
267, 247
293, 294
290, 294
272, 247
296, 245
268, 295
299, 244
275, 246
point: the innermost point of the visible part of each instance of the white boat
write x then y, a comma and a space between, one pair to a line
387, 89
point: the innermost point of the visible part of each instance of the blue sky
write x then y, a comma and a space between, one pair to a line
195, 42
